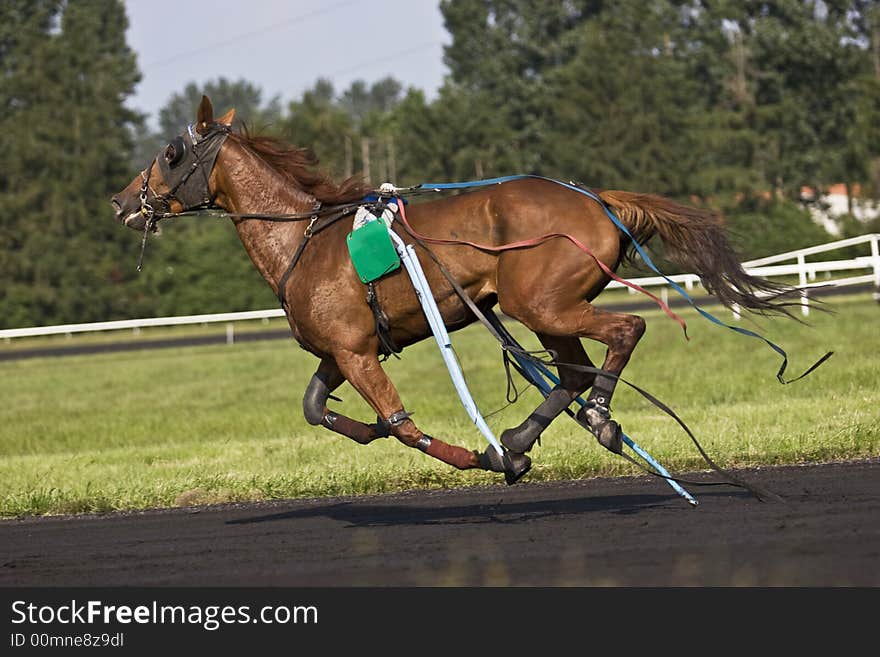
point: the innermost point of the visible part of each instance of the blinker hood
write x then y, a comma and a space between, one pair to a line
186, 165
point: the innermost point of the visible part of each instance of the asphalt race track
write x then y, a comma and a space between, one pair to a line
631, 531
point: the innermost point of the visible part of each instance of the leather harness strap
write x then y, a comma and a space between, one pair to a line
316, 225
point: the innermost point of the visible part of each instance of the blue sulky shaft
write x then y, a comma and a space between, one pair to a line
538, 375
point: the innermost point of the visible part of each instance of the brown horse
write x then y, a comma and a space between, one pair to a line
547, 286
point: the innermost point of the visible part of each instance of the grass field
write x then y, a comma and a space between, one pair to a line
176, 427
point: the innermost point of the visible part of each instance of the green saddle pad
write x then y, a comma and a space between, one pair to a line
372, 251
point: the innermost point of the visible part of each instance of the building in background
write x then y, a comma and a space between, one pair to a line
826, 209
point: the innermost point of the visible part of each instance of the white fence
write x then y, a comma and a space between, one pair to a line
766, 267
796, 265
138, 324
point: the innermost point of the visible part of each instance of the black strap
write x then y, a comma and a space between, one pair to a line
387, 346
317, 224
282, 283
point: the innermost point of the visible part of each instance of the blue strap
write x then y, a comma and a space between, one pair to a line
480, 183
641, 252
372, 198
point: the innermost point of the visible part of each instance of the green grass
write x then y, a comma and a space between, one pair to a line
221, 423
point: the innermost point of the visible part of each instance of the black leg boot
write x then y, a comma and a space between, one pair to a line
596, 415
520, 439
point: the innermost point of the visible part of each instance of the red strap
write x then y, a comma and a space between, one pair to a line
541, 240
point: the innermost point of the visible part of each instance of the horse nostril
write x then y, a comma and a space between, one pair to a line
117, 206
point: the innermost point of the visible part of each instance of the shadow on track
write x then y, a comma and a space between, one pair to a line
373, 515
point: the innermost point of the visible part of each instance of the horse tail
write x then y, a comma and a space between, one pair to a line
695, 239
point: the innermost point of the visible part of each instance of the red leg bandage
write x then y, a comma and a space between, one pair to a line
458, 457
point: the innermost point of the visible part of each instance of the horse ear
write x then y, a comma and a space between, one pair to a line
205, 116
227, 118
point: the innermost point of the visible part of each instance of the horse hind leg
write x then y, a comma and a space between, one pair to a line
618, 331
572, 383
621, 333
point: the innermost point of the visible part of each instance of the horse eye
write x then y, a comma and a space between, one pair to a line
175, 151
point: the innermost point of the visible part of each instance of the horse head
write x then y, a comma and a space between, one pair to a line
180, 176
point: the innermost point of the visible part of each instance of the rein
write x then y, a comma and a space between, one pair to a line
319, 218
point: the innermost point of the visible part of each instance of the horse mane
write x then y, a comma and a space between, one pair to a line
299, 166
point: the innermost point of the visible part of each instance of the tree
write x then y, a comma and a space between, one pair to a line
862, 158
24, 27
318, 122
359, 101
351, 133
624, 107
788, 71
504, 53
66, 151
457, 137
180, 111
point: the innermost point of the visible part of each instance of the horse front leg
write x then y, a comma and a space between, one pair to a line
364, 372
324, 381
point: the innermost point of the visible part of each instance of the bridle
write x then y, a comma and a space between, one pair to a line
178, 161
185, 155
192, 152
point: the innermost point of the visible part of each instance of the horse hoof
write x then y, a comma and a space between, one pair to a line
514, 466
609, 436
520, 439
606, 430
518, 466
491, 460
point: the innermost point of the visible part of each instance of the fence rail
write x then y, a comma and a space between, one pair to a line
805, 271
766, 267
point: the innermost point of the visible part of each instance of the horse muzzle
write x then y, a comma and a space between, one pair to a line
128, 214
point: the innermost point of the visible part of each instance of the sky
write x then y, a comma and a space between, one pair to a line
282, 46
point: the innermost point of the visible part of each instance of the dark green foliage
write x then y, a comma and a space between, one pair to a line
198, 265
772, 227
66, 147
723, 104
318, 121
180, 111
627, 112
